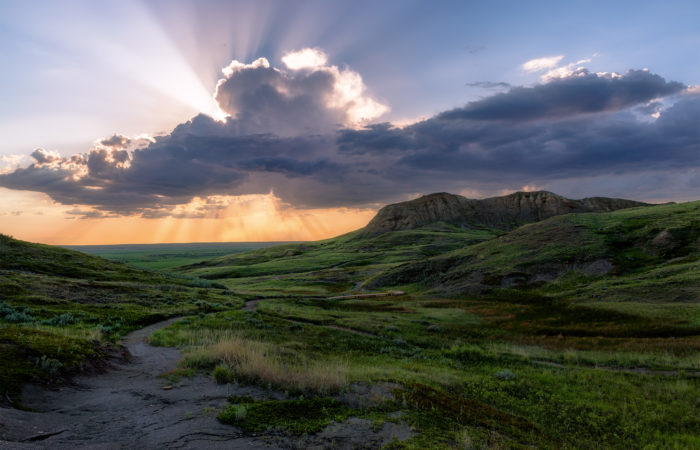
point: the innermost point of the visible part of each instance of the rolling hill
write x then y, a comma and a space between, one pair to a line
523, 321
61, 309
621, 259
554, 318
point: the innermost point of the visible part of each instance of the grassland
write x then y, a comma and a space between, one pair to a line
61, 310
455, 374
580, 331
165, 256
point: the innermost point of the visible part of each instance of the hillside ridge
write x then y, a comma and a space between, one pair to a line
503, 213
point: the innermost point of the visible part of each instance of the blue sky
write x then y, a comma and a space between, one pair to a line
415, 56
177, 110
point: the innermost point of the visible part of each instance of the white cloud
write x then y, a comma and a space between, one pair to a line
569, 70
349, 94
237, 66
307, 96
9, 163
307, 58
552, 68
540, 64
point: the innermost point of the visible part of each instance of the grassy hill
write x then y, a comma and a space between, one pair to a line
577, 331
332, 265
60, 309
545, 335
621, 243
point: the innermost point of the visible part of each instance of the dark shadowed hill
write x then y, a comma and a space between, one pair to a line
504, 213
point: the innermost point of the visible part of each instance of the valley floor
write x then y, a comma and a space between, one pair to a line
141, 402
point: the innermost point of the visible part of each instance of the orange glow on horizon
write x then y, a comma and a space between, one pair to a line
250, 218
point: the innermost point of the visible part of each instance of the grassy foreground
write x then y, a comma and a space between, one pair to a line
580, 331
61, 310
457, 378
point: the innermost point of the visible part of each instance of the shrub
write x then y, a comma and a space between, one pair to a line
18, 317
15, 314
239, 411
467, 353
222, 374
505, 375
49, 365
296, 416
60, 321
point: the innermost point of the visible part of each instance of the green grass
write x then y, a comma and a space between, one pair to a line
631, 242
557, 395
165, 256
504, 340
350, 250
296, 416
500, 340
60, 310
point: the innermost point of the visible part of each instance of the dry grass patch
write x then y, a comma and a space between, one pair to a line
252, 361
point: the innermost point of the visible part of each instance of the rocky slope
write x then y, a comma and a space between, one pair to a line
504, 213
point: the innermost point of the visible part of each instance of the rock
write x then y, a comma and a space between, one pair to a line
504, 213
663, 240
598, 268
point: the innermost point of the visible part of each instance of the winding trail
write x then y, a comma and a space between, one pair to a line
128, 407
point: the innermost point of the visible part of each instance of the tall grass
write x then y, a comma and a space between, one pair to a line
253, 361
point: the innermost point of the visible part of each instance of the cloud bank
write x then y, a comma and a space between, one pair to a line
308, 133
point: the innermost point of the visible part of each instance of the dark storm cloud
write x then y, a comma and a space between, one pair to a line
545, 137
287, 166
379, 136
584, 92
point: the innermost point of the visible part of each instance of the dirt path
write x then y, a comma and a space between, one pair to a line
127, 407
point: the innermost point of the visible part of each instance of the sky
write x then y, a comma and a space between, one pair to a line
203, 121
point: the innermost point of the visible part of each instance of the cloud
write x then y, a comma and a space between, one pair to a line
8, 163
115, 141
307, 58
309, 97
489, 84
282, 137
582, 92
553, 69
45, 157
540, 64
474, 50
